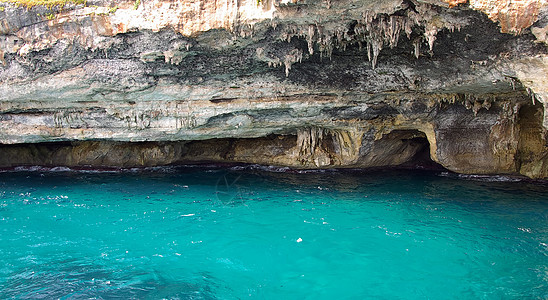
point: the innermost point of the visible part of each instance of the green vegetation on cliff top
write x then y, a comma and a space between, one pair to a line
47, 3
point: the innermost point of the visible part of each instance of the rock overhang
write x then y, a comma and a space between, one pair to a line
350, 71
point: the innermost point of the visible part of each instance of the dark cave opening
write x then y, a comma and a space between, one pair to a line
422, 158
408, 148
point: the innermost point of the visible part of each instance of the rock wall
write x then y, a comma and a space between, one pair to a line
306, 84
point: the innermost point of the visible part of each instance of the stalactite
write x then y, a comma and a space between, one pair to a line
430, 35
310, 38
308, 141
488, 102
368, 51
417, 47
376, 47
322, 147
532, 94
468, 101
471, 101
377, 31
293, 56
393, 29
309, 145
476, 107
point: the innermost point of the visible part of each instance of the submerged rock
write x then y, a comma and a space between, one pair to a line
305, 84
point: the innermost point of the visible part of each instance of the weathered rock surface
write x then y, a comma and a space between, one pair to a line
306, 84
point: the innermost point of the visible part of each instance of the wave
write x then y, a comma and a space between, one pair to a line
92, 170
216, 167
280, 169
484, 178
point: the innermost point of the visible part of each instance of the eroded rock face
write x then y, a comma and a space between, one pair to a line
306, 84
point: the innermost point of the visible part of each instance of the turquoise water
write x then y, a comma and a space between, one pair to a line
193, 233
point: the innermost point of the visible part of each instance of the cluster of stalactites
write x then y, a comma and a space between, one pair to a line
375, 31
320, 147
381, 30
309, 140
291, 57
470, 101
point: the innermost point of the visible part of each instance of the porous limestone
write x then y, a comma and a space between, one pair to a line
301, 83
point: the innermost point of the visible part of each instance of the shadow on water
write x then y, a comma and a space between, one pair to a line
229, 182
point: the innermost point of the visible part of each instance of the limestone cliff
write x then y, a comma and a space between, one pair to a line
300, 83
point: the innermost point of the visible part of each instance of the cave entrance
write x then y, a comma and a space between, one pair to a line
407, 148
531, 158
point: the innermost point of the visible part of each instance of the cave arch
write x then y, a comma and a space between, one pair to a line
531, 157
406, 148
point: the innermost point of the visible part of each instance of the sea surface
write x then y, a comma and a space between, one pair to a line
249, 232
